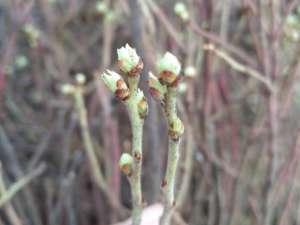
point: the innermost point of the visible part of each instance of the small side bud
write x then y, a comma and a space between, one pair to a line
67, 89
142, 104
126, 163
80, 78
21, 62
169, 69
32, 33
190, 71
114, 82
176, 128
129, 62
156, 89
182, 87
292, 20
101, 7
181, 11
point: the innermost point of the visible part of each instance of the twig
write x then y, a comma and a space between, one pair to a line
215, 39
20, 184
133, 98
89, 147
10, 211
173, 157
137, 136
240, 67
188, 163
164, 90
166, 23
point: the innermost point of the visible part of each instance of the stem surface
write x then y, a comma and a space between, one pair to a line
137, 136
173, 157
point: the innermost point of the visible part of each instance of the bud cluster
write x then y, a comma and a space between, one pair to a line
162, 88
169, 69
169, 76
131, 65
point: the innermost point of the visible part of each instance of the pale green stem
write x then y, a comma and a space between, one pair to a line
172, 164
86, 136
7, 207
7, 195
89, 148
137, 137
240, 67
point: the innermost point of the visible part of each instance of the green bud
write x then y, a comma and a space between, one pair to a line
142, 104
128, 60
67, 89
292, 20
169, 69
110, 79
182, 87
170, 63
101, 7
80, 78
156, 89
295, 34
190, 71
21, 61
32, 33
181, 11
176, 128
114, 82
126, 163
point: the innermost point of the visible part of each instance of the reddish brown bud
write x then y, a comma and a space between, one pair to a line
137, 156
163, 183
122, 91
168, 78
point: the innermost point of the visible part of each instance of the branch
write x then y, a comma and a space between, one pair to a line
7, 195
240, 67
164, 90
133, 98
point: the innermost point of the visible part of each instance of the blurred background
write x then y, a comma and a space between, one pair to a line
238, 97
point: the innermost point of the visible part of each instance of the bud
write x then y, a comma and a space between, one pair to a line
21, 61
182, 87
169, 69
176, 128
80, 78
126, 163
142, 104
32, 33
295, 35
181, 11
114, 82
190, 71
67, 89
156, 89
101, 7
129, 62
292, 20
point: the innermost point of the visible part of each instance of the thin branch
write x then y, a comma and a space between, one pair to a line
240, 67
20, 184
